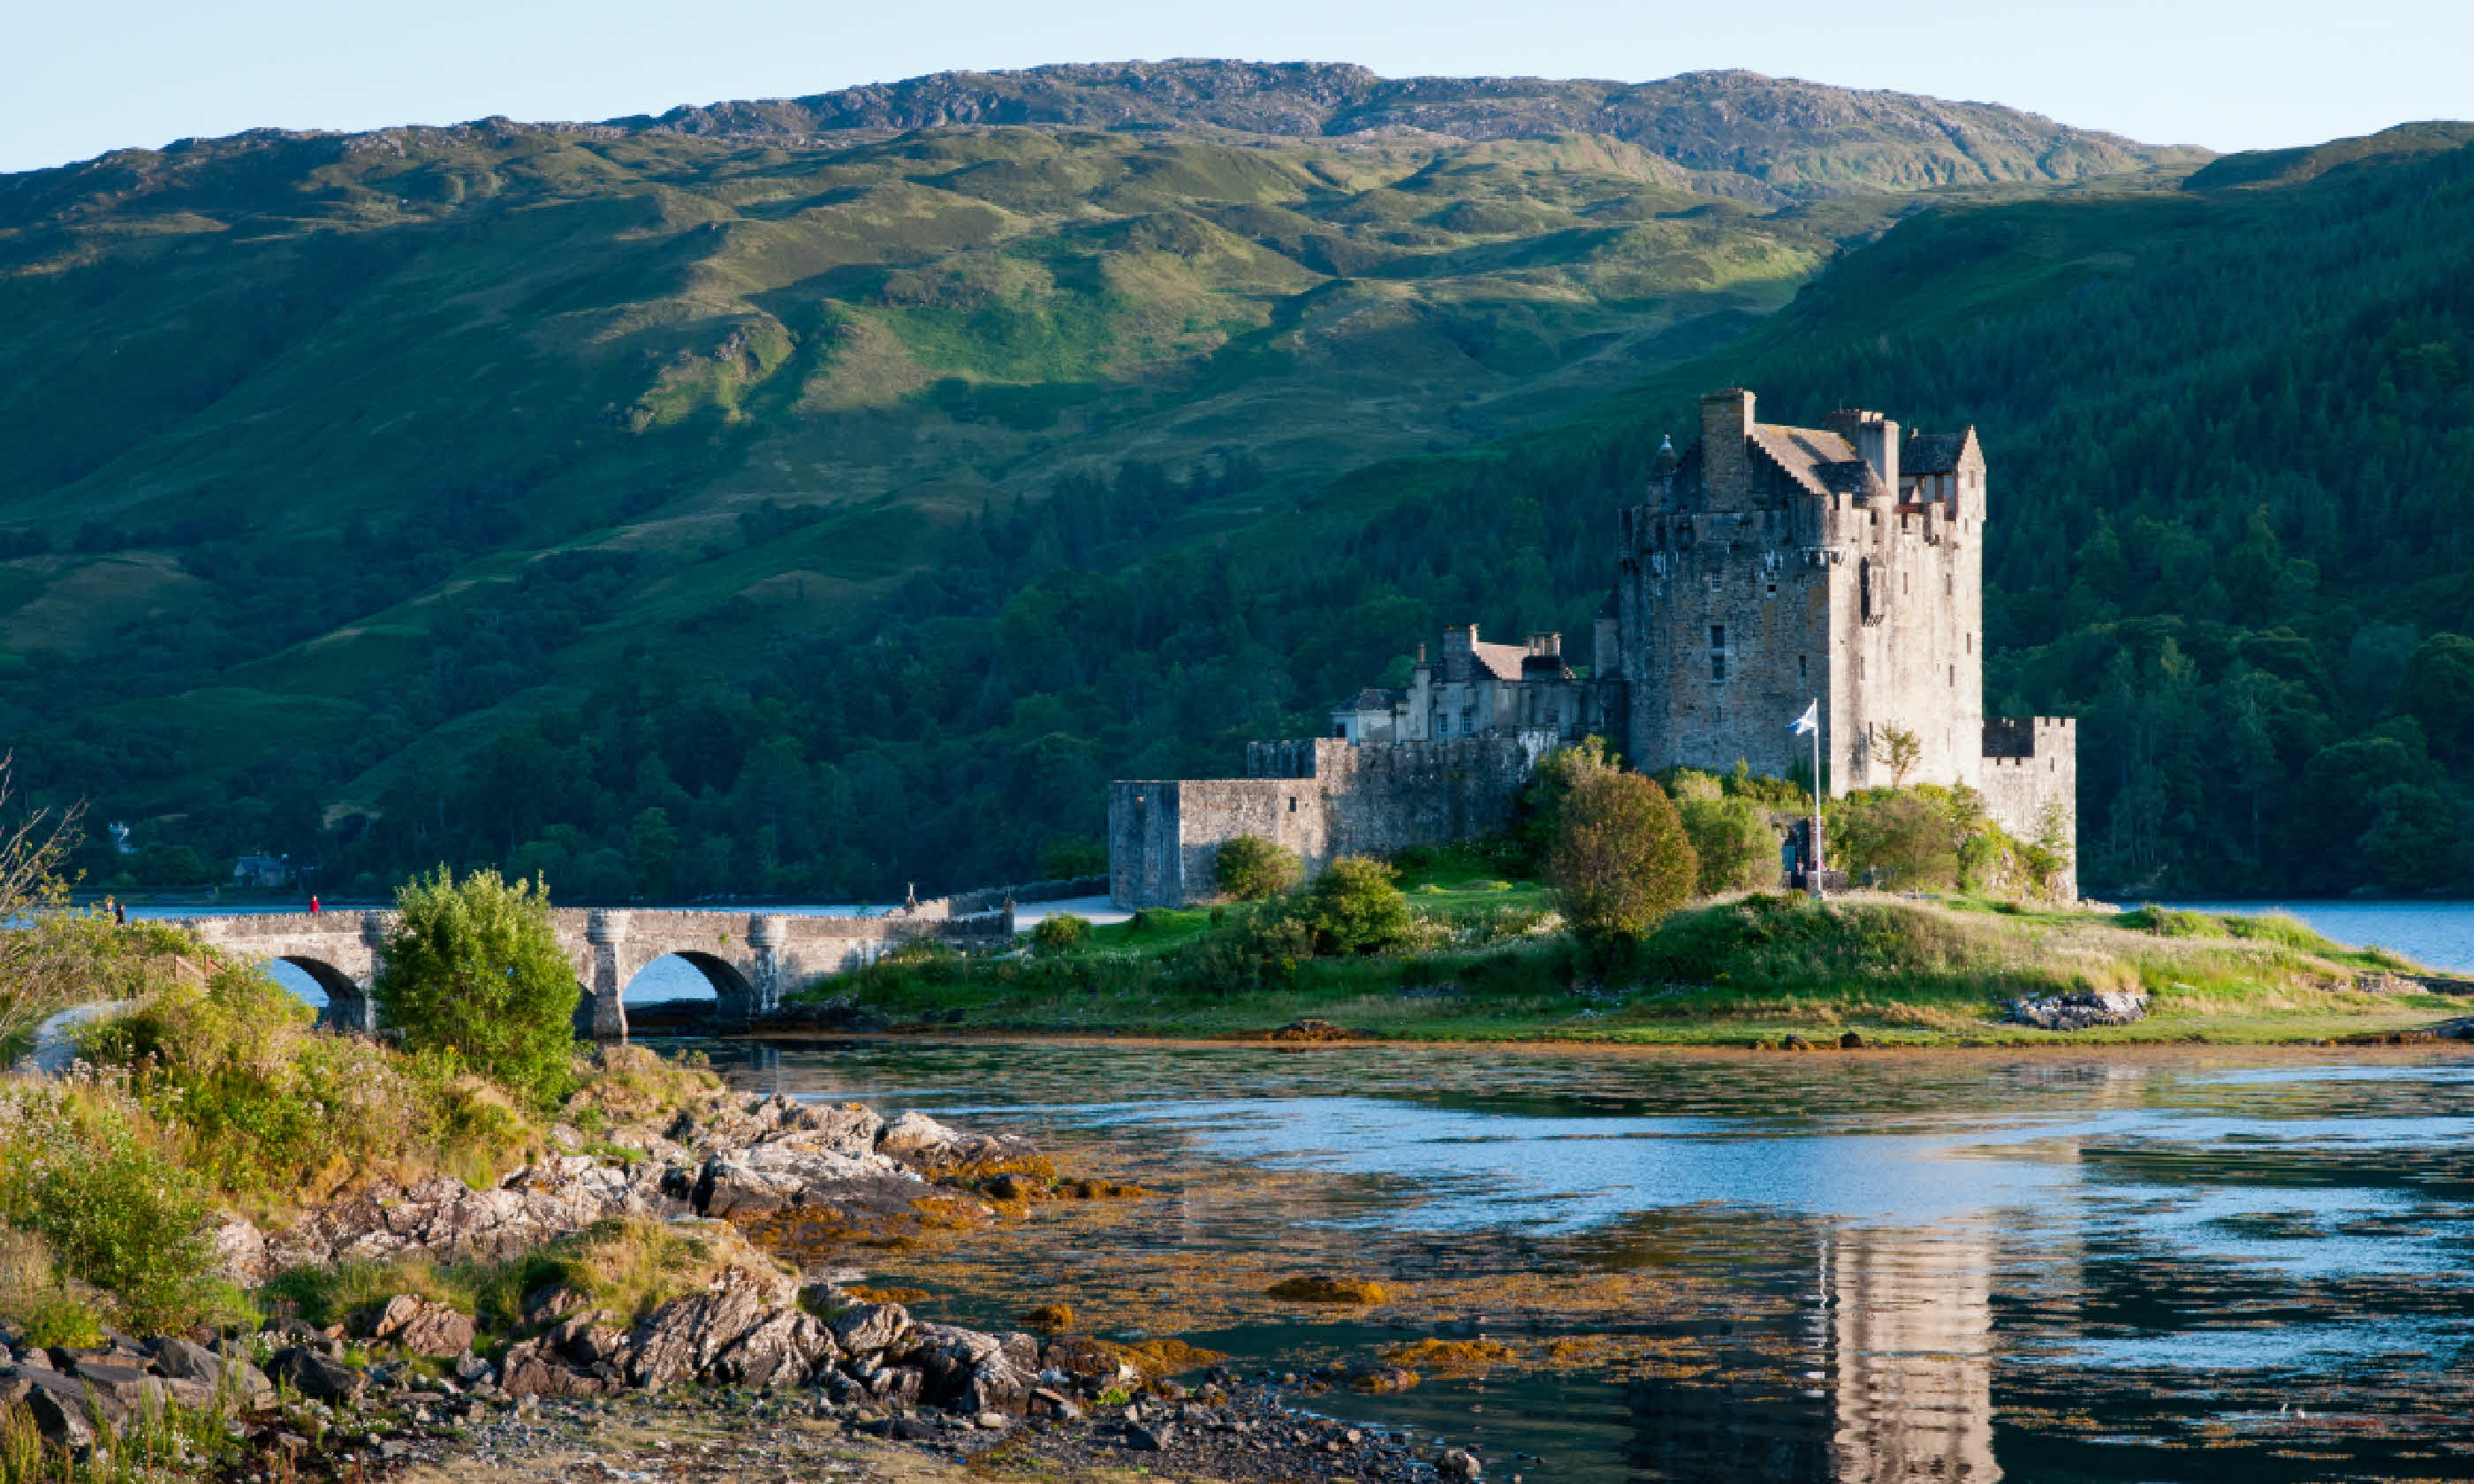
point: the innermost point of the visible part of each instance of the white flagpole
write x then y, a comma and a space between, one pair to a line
1816, 796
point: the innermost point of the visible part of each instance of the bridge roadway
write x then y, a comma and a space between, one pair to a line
750, 959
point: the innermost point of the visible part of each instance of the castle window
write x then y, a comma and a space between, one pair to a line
1970, 643
1292, 803
1954, 677
1801, 671
1717, 636
1442, 724
1773, 590
1948, 584
1718, 664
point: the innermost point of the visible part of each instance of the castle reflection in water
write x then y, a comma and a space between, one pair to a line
1888, 1378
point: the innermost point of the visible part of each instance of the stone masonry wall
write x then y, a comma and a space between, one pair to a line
1321, 799
2030, 764
1742, 602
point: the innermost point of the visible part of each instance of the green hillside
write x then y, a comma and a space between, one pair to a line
676, 507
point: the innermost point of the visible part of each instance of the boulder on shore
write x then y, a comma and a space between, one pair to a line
2079, 1010
423, 1328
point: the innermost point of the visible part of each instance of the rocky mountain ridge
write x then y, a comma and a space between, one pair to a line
1801, 139
1737, 134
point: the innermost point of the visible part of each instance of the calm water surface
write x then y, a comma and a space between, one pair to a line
2052, 1266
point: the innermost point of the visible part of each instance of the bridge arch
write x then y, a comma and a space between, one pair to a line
347, 999
735, 998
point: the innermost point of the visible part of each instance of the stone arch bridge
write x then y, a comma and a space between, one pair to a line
750, 959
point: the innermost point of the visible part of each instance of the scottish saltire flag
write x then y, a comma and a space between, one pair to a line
1809, 721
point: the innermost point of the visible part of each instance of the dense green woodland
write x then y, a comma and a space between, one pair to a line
2231, 434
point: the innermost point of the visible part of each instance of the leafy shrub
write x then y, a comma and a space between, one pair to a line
1553, 780
1355, 906
1731, 835
1934, 838
271, 1112
1894, 837
82, 1166
1250, 867
1061, 933
1259, 952
1621, 861
474, 972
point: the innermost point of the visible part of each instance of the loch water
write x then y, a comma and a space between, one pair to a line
2150, 1264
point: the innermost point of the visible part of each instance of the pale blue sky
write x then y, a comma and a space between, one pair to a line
79, 76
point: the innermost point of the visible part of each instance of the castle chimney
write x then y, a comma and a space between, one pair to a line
1878, 444
1725, 468
1459, 653
1875, 440
1545, 656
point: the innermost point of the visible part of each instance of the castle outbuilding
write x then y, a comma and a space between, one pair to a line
1770, 567
1480, 689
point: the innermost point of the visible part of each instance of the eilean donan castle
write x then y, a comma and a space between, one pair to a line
1769, 567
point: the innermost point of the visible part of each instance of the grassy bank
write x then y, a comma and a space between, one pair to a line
1492, 964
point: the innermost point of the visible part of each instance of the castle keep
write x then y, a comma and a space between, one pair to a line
1769, 567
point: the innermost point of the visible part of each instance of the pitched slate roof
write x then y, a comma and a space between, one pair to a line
1934, 453
1373, 699
1501, 660
1802, 452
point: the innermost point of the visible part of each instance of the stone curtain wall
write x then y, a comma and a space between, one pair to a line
1319, 797
750, 959
2030, 764
993, 898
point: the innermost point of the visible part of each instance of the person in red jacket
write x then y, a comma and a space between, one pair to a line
313, 903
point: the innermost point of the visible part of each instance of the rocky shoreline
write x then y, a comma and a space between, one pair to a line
771, 1158
332, 1420
412, 1382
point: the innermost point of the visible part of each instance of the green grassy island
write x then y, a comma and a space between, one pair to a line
1488, 959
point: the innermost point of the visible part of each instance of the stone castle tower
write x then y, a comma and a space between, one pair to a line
1772, 566
1776, 566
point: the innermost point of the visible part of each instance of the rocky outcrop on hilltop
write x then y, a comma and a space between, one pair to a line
1761, 134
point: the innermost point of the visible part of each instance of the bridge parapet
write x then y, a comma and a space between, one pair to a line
751, 959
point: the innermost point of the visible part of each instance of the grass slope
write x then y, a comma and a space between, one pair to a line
1898, 971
